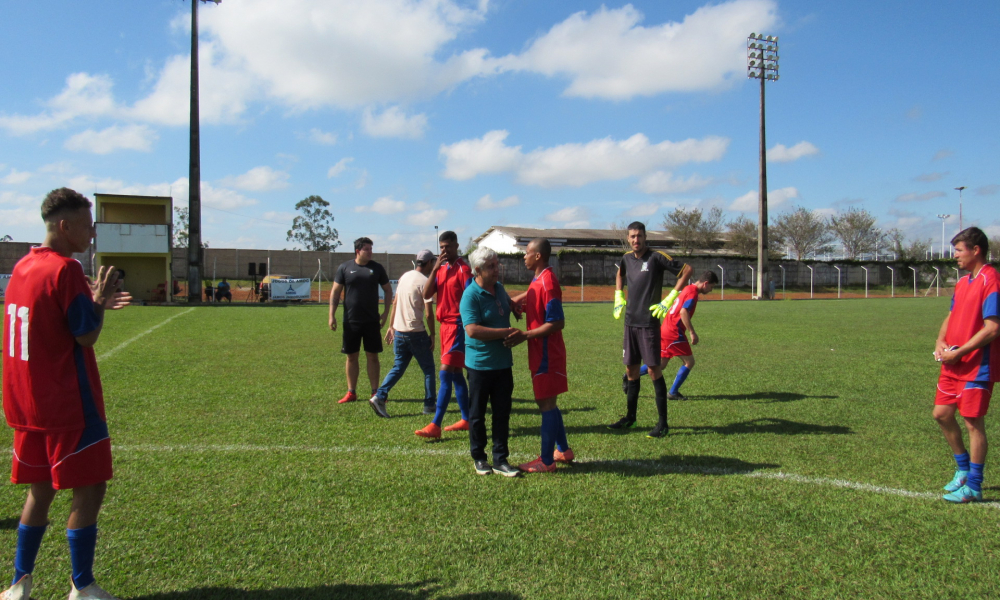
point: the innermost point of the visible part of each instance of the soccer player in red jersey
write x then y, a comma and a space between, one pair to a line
52, 395
968, 347
448, 279
542, 306
673, 341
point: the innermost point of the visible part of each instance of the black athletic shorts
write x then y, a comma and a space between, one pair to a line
354, 333
641, 345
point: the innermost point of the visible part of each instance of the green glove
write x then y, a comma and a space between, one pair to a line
660, 310
619, 304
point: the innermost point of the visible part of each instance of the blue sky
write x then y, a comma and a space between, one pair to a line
406, 114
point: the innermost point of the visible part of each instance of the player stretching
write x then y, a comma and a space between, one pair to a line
968, 347
642, 270
448, 279
52, 391
546, 354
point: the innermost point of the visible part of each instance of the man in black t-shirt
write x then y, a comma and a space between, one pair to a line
642, 270
359, 280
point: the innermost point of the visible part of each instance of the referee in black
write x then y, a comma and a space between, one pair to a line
359, 280
642, 270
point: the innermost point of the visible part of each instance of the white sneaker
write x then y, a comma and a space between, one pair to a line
91, 592
378, 405
20, 590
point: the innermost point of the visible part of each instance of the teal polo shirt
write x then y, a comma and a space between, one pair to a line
480, 307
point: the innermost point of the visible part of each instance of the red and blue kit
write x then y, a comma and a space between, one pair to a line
673, 342
452, 279
969, 382
546, 355
52, 394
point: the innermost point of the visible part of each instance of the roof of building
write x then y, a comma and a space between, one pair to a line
571, 237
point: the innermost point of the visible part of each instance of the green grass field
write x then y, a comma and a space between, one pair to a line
805, 464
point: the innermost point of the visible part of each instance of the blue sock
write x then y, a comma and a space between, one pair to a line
444, 397
461, 394
643, 370
29, 540
975, 480
682, 374
561, 442
548, 436
82, 543
962, 460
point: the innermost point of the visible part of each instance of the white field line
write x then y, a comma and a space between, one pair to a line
122, 345
634, 464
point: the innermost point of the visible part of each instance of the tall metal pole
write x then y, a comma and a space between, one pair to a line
763, 275
194, 172
960, 188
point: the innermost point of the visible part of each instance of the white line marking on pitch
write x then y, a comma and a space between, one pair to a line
648, 465
122, 345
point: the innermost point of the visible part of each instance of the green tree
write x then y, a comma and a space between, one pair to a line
313, 229
804, 232
181, 229
742, 236
856, 231
907, 249
684, 225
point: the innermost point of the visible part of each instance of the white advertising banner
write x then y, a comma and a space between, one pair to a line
291, 289
4, 280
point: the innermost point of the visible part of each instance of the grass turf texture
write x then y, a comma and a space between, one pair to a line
238, 475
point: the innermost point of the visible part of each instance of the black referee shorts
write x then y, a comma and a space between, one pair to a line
641, 345
356, 333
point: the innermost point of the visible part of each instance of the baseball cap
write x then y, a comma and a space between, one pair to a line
425, 256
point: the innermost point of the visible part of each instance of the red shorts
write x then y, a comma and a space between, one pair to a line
452, 345
549, 385
675, 349
972, 397
65, 458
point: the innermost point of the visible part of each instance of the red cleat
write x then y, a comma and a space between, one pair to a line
563, 457
348, 397
460, 425
431, 431
537, 466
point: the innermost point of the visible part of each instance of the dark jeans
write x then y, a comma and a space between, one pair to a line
494, 387
406, 346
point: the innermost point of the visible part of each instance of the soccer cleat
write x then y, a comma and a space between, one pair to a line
378, 405
677, 396
506, 469
20, 590
964, 494
432, 431
957, 481
91, 592
624, 383
348, 397
537, 466
483, 468
659, 431
623, 423
460, 425
563, 457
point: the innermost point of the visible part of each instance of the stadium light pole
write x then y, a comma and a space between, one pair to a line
943, 218
960, 188
195, 253
434, 246
892, 282
723, 281
762, 64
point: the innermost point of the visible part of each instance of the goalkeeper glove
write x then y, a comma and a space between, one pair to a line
660, 310
619, 304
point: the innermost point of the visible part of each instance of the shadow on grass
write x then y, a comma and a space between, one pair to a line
693, 465
768, 397
535, 430
565, 411
10, 523
406, 591
773, 426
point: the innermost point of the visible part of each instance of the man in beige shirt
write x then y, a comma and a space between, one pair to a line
409, 337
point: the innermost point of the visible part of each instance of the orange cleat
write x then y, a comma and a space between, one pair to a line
431, 431
348, 397
564, 457
537, 466
460, 425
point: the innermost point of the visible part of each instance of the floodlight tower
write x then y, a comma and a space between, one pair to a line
762, 64
943, 219
195, 252
960, 188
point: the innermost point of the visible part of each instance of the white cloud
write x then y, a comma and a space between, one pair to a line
21, 200
339, 168
15, 177
942, 154
988, 190
914, 197
110, 139
662, 182
781, 154
211, 197
427, 217
393, 123
362, 180
608, 54
259, 179
775, 198
928, 177
85, 95
574, 164
322, 137
571, 216
383, 206
487, 202
824, 213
